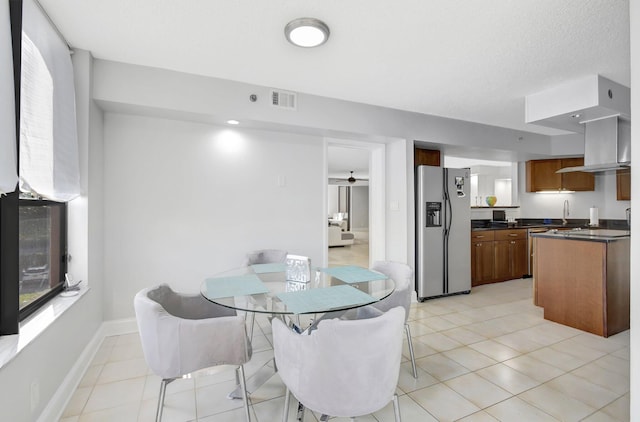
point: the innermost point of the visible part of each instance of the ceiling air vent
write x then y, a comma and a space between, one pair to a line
284, 99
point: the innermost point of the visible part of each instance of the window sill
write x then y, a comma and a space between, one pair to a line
34, 325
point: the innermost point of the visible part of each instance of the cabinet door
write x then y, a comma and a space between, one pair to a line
623, 185
520, 258
541, 175
579, 180
502, 265
481, 262
429, 157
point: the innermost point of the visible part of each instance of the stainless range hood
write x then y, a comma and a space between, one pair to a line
607, 145
595, 106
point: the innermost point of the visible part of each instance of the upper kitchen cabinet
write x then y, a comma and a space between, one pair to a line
542, 176
623, 185
428, 157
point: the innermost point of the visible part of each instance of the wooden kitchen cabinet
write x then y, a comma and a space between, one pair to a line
623, 184
584, 284
498, 255
482, 257
541, 175
428, 157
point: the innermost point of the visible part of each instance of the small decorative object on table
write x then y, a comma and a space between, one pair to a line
298, 268
491, 200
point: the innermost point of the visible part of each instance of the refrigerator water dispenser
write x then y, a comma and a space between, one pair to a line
434, 210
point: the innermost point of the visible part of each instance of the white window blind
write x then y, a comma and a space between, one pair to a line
49, 165
8, 175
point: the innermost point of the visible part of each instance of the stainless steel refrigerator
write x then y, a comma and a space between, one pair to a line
443, 232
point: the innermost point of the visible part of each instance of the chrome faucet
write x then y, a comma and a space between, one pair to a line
565, 212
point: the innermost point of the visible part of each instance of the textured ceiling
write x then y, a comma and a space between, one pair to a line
470, 60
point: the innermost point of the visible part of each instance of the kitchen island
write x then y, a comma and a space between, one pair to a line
582, 279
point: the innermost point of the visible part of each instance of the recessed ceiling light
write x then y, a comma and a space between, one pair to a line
306, 32
575, 116
233, 122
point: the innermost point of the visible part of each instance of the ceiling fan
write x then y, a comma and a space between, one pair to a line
350, 179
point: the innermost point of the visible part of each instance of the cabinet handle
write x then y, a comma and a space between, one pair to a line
478, 237
478, 244
513, 242
513, 235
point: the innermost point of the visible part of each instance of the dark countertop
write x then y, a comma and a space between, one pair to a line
547, 223
602, 235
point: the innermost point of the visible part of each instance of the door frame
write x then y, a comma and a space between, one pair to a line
377, 225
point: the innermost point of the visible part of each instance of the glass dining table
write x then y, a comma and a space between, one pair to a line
264, 289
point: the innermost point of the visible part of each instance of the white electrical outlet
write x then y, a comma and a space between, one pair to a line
35, 394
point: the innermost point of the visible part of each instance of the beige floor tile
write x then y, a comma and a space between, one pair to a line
177, 407
534, 368
418, 328
516, 409
441, 367
124, 413
556, 403
126, 351
437, 323
438, 341
443, 403
212, 399
70, 419
407, 383
409, 411
619, 409
602, 344
614, 364
519, 341
508, 378
115, 394
480, 416
478, 390
269, 410
464, 336
561, 360
122, 370
90, 376
420, 349
458, 319
469, 358
583, 390
604, 378
77, 402
582, 352
496, 351
152, 386
624, 353
601, 416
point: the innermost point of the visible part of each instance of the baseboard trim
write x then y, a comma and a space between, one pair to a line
58, 403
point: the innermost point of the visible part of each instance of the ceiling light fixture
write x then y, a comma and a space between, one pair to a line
306, 32
233, 122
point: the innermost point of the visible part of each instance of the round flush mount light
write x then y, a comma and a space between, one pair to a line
306, 32
233, 122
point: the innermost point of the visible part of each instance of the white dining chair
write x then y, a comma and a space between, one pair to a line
182, 334
265, 256
402, 275
344, 368
262, 256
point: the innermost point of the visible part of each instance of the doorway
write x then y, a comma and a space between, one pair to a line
348, 205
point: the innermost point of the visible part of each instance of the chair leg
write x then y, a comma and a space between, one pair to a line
396, 408
285, 413
252, 323
163, 390
413, 358
243, 388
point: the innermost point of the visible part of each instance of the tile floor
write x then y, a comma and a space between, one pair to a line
356, 254
487, 356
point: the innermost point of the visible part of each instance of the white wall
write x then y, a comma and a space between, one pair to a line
359, 207
542, 205
184, 201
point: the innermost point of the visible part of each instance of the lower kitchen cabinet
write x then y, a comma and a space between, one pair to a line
498, 255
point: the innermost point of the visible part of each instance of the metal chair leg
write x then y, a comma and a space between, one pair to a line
243, 388
163, 390
253, 322
285, 413
413, 358
396, 408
